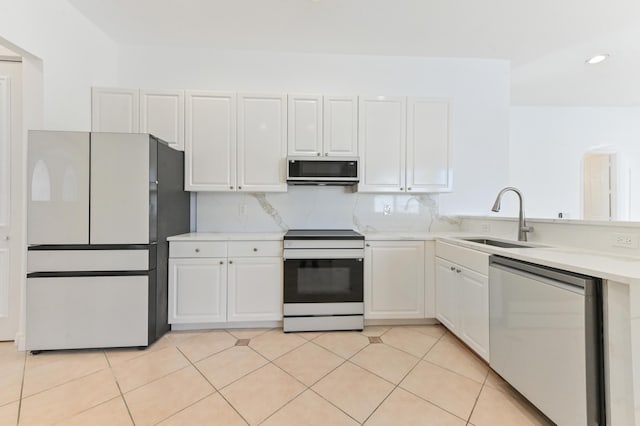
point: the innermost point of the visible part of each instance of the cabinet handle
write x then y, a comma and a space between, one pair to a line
368, 245
157, 182
255, 249
231, 187
409, 189
197, 250
453, 268
401, 188
458, 270
326, 154
318, 154
222, 262
230, 262
239, 187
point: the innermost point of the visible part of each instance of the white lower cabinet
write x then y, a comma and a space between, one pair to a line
208, 286
462, 295
197, 290
394, 284
255, 289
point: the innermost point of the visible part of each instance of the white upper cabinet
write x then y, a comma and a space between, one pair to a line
382, 143
262, 142
210, 142
341, 126
305, 125
323, 126
428, 145
114, 110
162, 115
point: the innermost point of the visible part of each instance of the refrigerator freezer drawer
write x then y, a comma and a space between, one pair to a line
87, 260
87, 312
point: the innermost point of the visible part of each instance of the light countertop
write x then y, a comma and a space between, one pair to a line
598, 264
604, 265
228, 236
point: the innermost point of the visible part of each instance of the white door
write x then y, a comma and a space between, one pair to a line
394, 279
340, 126
382, 144
10, 93
262, 142
474, 311
428, 145
197, 290
447, 311
305, 125
210, 141
597, 187
255, 289
114, 110
162, 115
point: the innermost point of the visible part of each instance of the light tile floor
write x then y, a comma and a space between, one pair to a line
404, 375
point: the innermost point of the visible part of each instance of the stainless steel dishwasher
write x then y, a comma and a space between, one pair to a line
545, 331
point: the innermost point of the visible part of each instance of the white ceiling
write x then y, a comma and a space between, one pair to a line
547, 41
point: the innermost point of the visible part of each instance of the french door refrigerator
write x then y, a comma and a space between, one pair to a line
100, 207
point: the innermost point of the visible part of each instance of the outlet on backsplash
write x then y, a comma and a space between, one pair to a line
625, 240
242, 209
386, 210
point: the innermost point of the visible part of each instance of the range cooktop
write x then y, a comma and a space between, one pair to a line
323, 234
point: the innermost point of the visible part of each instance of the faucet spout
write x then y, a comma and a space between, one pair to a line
522, 224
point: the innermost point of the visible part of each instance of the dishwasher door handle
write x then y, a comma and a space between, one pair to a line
541, 279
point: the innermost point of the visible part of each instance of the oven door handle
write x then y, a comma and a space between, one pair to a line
312, 254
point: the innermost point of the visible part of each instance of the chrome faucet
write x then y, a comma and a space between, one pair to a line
522, 224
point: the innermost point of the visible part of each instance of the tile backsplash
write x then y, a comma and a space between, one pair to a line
320, 207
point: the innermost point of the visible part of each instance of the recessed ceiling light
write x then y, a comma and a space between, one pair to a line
597, 59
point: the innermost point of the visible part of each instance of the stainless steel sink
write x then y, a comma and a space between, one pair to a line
498, 243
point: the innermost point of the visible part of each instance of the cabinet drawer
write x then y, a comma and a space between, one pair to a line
472, 259
197, 249
255, 248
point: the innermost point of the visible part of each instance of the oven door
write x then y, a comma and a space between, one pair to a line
321, 280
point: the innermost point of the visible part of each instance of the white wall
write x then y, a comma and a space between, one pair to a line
75, 55
547, 146
479, 89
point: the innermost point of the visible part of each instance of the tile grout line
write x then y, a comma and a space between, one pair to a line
215, 390
119, 388
24, 370
475, 403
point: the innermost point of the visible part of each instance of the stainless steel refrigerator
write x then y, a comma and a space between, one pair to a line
100, 207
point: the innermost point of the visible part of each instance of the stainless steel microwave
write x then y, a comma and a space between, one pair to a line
322, 171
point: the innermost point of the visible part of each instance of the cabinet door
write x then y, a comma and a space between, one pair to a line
162, 115
255, 289
447, 306
197, 290
474, 311
394, 279
381, 144
428, 145
341, 126
262, 143
210, 141
305, 125
114, 110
